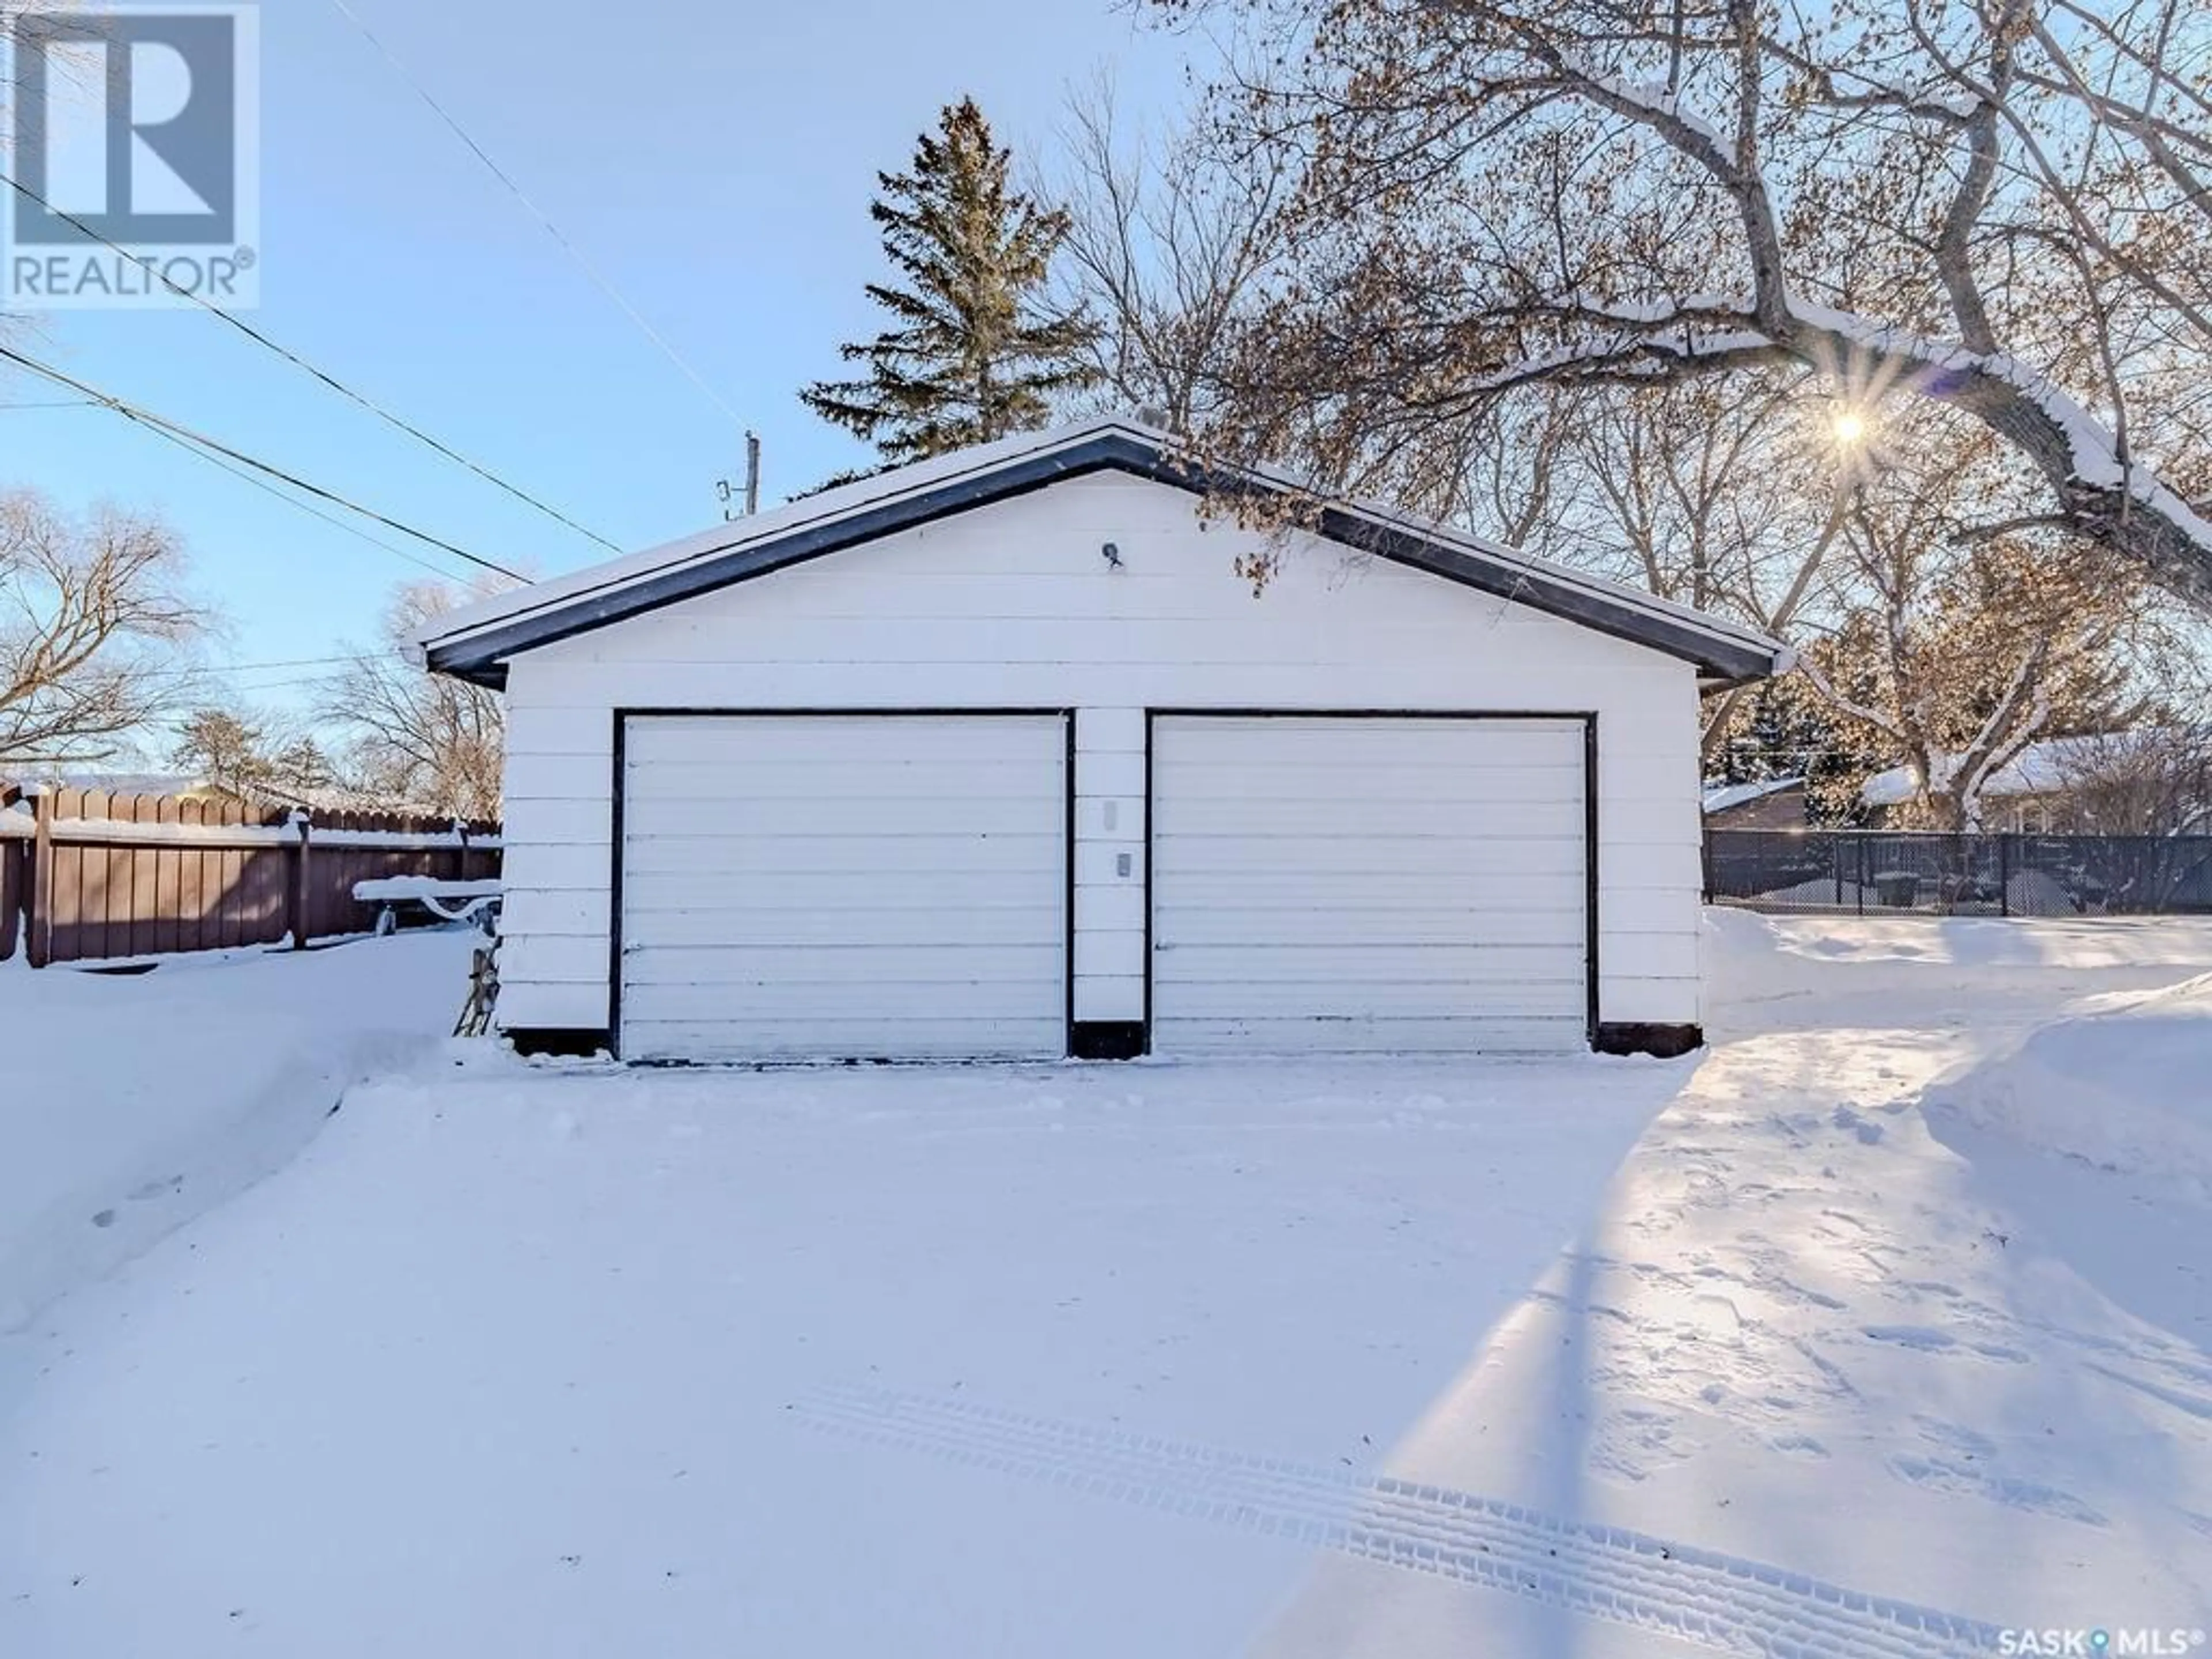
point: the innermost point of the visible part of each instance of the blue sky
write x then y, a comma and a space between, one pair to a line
714, 160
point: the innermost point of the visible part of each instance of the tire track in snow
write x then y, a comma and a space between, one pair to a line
1717, 1601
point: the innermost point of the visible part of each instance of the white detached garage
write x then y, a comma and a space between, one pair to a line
1000, 756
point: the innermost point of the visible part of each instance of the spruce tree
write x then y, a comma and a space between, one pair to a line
975, 353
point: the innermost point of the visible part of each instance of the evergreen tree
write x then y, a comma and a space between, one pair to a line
225, 750
975, 354
1783, 729
238, 753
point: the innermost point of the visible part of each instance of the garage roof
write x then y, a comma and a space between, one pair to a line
476, 643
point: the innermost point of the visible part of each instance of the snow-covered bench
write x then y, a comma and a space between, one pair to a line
449, 900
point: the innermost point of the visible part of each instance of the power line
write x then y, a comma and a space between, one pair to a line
217, 687
294, 662
290, 662
199, 441
327, 379
59, 403
313, 511
553, 230
205, 670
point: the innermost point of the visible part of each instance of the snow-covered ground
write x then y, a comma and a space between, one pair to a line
130, 1103
1846, 1338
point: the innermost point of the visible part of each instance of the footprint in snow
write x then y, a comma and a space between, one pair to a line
1955, 1438
1867, 1131
1941, 1475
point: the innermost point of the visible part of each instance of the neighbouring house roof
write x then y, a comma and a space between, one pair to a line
1721, 797
476, 643
2047, 768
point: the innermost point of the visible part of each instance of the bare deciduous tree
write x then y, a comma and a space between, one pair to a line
92, 616
1960, 650
1720, 494
1170, 239
420, 740
1999, 207
2155, 780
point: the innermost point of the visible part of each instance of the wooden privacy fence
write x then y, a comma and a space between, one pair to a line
85, 875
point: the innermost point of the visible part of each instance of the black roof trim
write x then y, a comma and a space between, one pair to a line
483, 656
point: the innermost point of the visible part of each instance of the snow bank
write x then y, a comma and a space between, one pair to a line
2165, 949
1900, 968
1822, 891
2124, 1088
2029, 893
130, 1105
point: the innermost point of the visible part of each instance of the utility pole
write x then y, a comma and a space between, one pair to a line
727, 492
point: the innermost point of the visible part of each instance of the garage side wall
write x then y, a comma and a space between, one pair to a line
1016, 606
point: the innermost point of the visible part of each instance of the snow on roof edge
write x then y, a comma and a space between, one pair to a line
734, 535
456, 627
1721, 797
2040, 768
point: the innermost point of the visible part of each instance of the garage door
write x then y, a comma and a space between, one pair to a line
1368, 885
844, 886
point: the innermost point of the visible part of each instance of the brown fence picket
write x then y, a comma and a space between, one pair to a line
261, 886
192, 888
15, 876
233, 901
146, 906
38, 947
168, 879
118, 866
88, 869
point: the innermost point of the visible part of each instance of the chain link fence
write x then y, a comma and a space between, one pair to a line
1889, 872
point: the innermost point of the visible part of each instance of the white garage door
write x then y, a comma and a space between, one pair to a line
839, 887
1368, 883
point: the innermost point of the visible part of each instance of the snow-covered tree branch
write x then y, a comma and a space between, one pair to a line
1954, 655
1998, 208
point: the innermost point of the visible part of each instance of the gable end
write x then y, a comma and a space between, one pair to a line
1723, 656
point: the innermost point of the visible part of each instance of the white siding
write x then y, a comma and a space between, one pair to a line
812, 887
1012, 606
1109, 868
